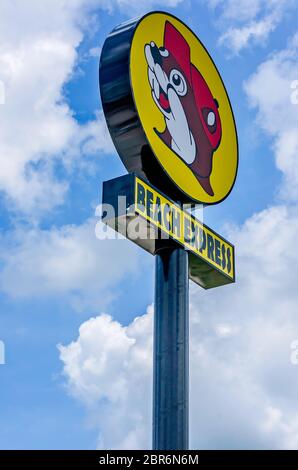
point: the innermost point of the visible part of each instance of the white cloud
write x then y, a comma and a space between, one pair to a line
269, 91
255, 31
69, 262
109, 369
243, 385
38, 55
37, 126
240, 10
249, 22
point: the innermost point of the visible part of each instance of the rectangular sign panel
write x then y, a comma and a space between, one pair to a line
143, 214
183, 227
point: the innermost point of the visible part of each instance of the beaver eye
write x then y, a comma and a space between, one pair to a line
164, 52
211, 118
178, 82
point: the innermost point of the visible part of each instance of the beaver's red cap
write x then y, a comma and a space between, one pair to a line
175, 43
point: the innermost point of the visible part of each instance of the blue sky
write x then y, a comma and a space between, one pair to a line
55, 275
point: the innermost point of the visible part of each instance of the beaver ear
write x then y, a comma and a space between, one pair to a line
216, 103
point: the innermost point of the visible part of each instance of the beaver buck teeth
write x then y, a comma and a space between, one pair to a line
160, 94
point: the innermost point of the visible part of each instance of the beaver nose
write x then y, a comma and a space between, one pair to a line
155, 53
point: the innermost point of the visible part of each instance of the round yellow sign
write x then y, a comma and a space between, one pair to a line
184, 108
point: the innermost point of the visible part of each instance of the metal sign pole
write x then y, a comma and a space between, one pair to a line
171, 349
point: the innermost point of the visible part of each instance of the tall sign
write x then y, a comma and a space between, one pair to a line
168, 110
171, 121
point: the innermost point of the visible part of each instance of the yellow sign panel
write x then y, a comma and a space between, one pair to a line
184, 108
184, 228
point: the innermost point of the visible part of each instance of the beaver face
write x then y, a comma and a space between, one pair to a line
171, 91
191, 116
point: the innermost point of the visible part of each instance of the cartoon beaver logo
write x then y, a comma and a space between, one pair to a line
193, 126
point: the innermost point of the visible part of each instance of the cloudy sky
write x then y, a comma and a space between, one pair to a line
75, 311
